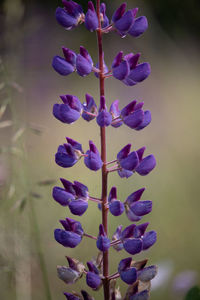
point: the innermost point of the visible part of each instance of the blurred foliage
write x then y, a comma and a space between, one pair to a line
193, 294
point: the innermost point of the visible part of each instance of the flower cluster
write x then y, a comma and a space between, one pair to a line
135, 238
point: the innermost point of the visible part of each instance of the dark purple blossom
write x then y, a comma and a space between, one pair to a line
127, 273
65, 66
149, 239
84, 62
70, 15
128, 161
92, 278
116, 207
72, 234
120, 67
139, 26
91, 20
104, 18
62, 196
135, 196
103, 242
146, 165
68, 112
104, 118
92, 158
89, 108
123, 20
68, 154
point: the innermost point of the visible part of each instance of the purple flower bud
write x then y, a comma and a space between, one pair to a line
120, 67
104, 118
146, 165
90, 107
84, 62
144, 295
78, 207
147, 273
91, 20
133, 245
149, 239
62, 196
115, 112
139, 26
92, 159
69, 111
61, 66
67, 238
141, 208
103, 243
127, 273
93, 280
104, 18
116, 208
71, 296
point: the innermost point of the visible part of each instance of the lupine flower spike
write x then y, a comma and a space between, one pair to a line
75, 196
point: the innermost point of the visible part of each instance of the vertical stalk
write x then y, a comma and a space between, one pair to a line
103, 157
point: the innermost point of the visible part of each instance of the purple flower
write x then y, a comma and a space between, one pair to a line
104, 118
123, 20
149, 239
70, 15
139, 26
68, 154
68, 112
84, 62
128, 161
134, 117
116, 207
104, 18
89, 108
62, 196
65, 66
129, 201
127, 273
147, 164
72, 234
103, 242
120, 67
92, 278
91, 20
138, 72
92, 158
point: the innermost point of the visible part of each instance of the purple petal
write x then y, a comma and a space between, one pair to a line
128, 232
93, 280
140, 73
70, 56
124, 173
61, 196
61, 66
64, 19
139, 26
135, 196
91, 20
125, 22
144, 295
140, 230
131, 216
146, 120
123, 153
146, 165
78, 207
134, 119
104, 118
67, 238
121, 71
83, 66
71, 296
129, 276
116, 208
133, 246
119, 12
141, 208
131, 162
147, 273
149, 239
124, 264
65, 114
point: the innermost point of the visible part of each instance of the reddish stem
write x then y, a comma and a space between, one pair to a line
103, 157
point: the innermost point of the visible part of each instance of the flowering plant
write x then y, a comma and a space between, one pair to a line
75, 195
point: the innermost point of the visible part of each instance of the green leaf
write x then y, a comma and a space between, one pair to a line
193, 294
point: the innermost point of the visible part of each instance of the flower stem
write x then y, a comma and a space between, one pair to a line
103, 157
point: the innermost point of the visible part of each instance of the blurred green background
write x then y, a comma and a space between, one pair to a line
29, 136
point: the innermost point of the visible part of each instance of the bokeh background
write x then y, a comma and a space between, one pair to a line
29, 136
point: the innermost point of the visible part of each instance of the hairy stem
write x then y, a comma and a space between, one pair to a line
103, 157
